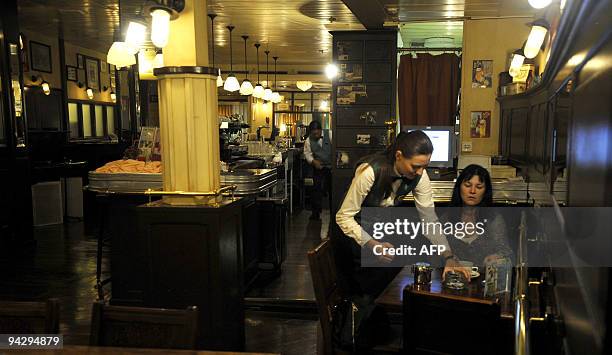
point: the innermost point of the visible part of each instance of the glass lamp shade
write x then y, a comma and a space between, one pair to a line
516, 64
158, 62
113, 97
231, 83
539, 4
276, 98
246, 88
258, 91
534, 41
160, 27
267, 94
135, 36
304, 85
120, 55
90, 94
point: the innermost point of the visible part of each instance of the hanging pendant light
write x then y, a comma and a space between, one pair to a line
212, 33
267, 91
276, 98
258, 91
231, 83
246, 88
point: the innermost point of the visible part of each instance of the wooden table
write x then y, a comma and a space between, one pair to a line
107, 350
392, 297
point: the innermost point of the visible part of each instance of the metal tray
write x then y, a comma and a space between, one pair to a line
125, 181
249, 181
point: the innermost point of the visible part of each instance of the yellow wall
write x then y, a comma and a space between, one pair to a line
54, 78
260, 111
492, 39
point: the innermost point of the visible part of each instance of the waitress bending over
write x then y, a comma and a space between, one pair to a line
378, 180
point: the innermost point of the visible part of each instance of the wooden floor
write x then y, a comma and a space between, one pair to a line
64, 264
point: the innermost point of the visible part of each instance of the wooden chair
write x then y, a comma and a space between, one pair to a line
143, 327
30, 317
327, 292
448, 324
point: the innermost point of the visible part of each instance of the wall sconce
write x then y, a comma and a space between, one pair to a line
46, 88
162, 13
104, 88
539, 28
517, 62
113, 97
80, 85
89, 92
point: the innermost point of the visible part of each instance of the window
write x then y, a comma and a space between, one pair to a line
91, 121
73, 119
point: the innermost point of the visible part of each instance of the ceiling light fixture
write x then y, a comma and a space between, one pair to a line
231, 83
276, 98
120, 55
539, 4
212, 33
246, 88
162, 12
135, 36
258, 91
304, 85
517, 62
539, 28
331, 70
267, 91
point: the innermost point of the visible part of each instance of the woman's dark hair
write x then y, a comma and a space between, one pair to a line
467, 173
410, 144
314, 125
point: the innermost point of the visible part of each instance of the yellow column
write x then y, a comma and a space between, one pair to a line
189, 131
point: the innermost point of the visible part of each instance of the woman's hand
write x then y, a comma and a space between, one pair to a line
453, 265
384, 257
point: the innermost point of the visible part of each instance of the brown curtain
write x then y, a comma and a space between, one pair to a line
427, 87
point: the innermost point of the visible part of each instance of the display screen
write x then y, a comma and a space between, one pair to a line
441, 143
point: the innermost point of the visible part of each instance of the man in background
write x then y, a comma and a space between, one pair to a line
317, 151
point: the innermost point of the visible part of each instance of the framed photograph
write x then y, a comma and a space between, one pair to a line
71, 73
482, 72
92, 73
103, 67
40, 57
81, 75
351, 73
480, 124
80, 61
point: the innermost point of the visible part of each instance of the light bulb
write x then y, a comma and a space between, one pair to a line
324, 106
258, 91
534, 41
89, 92
246, 88
331, 70
267, 94
113, 97
283, 127
160, 27
45, 87
539, 4
135, 36
231, 83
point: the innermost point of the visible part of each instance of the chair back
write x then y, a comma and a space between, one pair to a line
448, 324
29, 317
139, 327
327, 292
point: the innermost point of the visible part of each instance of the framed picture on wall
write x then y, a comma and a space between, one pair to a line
480, 124
482, 73
80, 61
71, 73
92, 73
103, 67
40, 57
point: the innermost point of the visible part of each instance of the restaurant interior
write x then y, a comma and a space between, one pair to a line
163, 188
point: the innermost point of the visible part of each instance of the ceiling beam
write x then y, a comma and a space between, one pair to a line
370, 13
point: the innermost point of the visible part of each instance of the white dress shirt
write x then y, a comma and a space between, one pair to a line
308, 151
359, 189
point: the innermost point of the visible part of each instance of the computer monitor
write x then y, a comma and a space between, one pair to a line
443, 139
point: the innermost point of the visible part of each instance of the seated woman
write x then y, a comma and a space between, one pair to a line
473, 192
